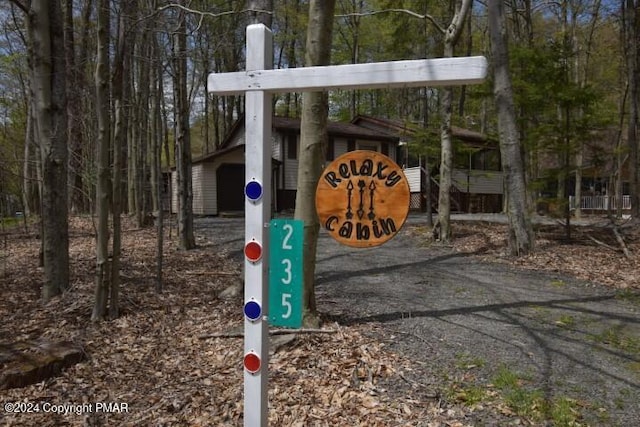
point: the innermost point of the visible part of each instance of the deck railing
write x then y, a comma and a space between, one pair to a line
600, 203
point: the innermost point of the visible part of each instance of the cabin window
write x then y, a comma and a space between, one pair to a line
351, 144
292, 147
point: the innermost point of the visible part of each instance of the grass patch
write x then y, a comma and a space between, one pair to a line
506, 378
558, 283
566, 321
628, 295
615, 337
526, 403
564, 412
469, 395
467, 361
531, 403
10, 221
634, 367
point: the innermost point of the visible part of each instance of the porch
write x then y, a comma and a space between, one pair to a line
600, 203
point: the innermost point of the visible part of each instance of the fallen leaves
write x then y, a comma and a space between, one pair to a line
581, 257
167, 356
154, 358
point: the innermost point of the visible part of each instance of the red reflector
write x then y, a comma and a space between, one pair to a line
253, 251
251, 362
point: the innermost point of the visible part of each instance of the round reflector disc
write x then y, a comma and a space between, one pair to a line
253, 190
253, 251
252, 310
251, 362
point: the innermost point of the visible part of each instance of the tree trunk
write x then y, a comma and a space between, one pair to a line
313, 140
452, 34
121, 78
74, 106
183, 142
520, 232
261, 12
103, 268
577, 189
157, 138
141, 129
27, 174
45, 27
632, 33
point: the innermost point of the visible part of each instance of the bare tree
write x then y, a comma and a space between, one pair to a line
520, 240
157, 132
48, 83
183, 140
75, 83
451, 36
313, 140
103, 267
632, 34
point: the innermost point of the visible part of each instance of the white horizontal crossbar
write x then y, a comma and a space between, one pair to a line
421, 72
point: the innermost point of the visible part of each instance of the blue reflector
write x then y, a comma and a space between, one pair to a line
253, 190
252, 310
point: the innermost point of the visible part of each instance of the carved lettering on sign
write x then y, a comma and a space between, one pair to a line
362, 198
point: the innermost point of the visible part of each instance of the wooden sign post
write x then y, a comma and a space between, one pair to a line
259, 81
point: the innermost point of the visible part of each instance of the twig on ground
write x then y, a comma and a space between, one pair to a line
211, 273
601, 243
620, 241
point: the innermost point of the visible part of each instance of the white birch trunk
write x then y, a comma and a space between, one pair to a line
313, 137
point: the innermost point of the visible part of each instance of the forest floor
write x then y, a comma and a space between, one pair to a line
417, 333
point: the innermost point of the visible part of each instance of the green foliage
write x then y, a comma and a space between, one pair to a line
13, 69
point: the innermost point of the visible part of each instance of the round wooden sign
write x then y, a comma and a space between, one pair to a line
362, 198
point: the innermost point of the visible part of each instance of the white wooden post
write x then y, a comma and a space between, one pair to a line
258, 118
259, 81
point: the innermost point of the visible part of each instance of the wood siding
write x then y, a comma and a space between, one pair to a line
209, 190
339, 147
197, 184
413, 177
290, 165
478, 181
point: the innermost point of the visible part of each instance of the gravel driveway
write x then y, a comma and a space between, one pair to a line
478, 329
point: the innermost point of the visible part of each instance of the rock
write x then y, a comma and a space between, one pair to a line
230, 292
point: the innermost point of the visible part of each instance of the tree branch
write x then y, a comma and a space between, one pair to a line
22, 5
197, 12
211, 14
429, 18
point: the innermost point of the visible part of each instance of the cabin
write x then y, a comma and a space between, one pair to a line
477, 179
218, 178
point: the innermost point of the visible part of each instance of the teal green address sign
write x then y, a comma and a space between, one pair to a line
285, 273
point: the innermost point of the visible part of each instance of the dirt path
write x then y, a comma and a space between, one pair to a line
504, 342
